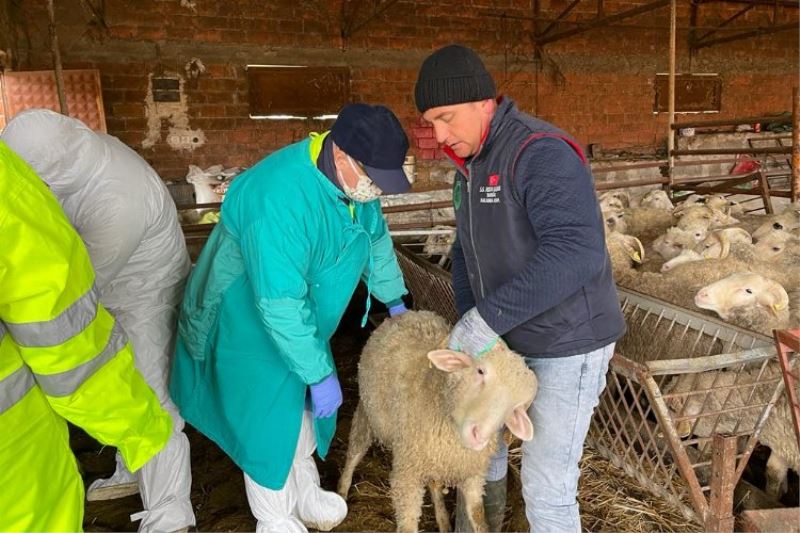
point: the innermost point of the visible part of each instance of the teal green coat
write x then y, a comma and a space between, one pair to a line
263, 301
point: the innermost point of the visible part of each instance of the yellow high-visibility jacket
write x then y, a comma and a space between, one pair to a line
61, 355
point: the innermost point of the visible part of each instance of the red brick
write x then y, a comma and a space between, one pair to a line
423, 133
427, 143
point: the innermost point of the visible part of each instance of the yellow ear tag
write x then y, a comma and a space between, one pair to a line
636, 257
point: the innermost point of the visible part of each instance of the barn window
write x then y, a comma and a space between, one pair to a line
694, 93
297, 91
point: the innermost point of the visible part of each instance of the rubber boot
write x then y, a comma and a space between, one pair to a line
494, 505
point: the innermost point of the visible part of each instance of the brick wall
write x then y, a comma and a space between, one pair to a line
598, 85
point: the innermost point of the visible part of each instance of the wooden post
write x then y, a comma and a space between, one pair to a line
719, 518
62, 99
795, 144
671, 104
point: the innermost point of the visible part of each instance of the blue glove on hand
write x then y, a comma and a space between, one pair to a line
472, 335
398, 309
326, 397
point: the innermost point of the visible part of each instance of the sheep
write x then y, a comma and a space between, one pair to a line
647, 223
675, 240
774, 243
717, 244
686, 256
625, 251
680, 284
204, 184
788, 220
747, 298
615, 221
438, 411
439, 243
704, 217
614, 200
657, 199
712, 391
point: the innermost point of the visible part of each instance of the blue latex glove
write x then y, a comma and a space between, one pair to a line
326, 397
472, 335
398, 309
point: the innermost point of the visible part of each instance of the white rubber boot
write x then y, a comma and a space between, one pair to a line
316, 508
121, 484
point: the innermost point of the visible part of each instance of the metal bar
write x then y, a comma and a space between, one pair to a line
671, 98
722, 483
62, 99
764, 30
417, 225
785, 341
632, 166
782, 3
609, 185
795, 188
711, 362
723, 24
730, 151
558, 18
441, 204
678, 451
782, 119
599, 23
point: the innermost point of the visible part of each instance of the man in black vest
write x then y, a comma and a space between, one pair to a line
529, 265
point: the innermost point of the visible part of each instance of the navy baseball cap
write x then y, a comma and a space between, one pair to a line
372, 135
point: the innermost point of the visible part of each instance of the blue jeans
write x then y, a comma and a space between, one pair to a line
569, 390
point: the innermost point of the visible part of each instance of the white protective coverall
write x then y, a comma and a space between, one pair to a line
128, 221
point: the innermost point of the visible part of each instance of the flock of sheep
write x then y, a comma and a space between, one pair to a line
704, 252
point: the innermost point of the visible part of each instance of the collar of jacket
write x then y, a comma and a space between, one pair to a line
314, 150
504, 105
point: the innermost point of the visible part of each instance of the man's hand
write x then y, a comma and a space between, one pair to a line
398, 309
472, 335
326, 397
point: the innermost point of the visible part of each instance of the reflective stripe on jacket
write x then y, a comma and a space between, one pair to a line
61, 355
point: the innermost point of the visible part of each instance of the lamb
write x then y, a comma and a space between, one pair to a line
438, 411
711, 391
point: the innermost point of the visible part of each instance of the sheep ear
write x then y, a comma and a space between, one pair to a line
449, 360
774, 298
520, 424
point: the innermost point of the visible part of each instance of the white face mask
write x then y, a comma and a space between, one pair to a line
365, 190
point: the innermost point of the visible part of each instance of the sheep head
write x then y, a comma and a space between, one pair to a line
674, 241
488, 392
717, 245
774, 243
787, 221
686, 256
657, 199
742, 290
615, 221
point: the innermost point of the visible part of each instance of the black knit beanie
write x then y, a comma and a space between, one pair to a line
452, 75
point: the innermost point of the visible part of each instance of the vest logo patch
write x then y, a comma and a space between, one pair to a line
489, 194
